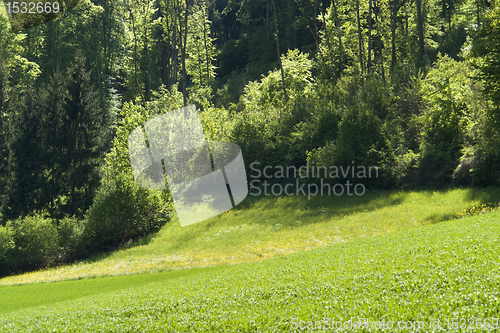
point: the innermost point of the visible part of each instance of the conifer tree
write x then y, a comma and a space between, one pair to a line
200, 47
86, 128
24, 179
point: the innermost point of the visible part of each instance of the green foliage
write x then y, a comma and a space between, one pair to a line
267, 129
36, 242
25, 172
269, 91
6, 246
141, 57
376, 96
405, 168
200, 48
360, 139
485, 48
322, 155
16, 75
333, 55
22, 20
453, 109
117, 161
217, 123
326, 124
59, 134
71, 238
251, 132
358, 130
436, 271
352, 81
21, 69
121, 212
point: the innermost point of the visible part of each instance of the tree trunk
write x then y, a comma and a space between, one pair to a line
420, 24
406, 23
369, 36
106, 46
337, 23
184, 42
135, 56
360, 38
282, 14
478, 14
168, 59
174, 54
323, 14
315, 36
146, 48
279, 54
394, 13
294, 14
205, 36
379, 38
267, 20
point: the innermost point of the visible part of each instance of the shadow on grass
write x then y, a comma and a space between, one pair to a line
265, 210
144, 240
373, 200
437, 218
486, 195
302, 202
330, 206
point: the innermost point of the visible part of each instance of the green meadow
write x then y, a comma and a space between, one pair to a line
264, 227
278, 264
111, 112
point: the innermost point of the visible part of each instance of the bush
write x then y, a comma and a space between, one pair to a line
299, 83
360, 139
405, 168
35, 242
70, 232
267, 129
121, 212
6, 246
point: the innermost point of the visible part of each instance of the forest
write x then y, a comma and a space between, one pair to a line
410, 86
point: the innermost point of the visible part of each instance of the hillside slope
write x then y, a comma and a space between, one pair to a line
441, 271
265, 227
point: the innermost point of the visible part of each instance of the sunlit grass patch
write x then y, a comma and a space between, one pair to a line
437, 271
266, 227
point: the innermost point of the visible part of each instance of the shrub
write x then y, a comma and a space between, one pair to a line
35, 242
122, 211
360, 138
70, 232
453, 112
6, 246
270, 130
269, 92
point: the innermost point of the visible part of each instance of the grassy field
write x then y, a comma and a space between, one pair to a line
439, 271
267, 227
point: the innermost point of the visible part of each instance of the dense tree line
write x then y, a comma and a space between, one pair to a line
410, 86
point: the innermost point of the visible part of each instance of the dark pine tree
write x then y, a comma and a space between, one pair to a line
24, 178
86, 131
